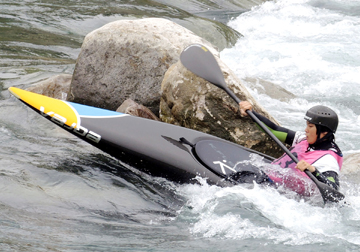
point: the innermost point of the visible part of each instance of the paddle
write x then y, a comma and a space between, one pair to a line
199, 60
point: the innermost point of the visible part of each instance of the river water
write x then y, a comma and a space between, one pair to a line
60, 194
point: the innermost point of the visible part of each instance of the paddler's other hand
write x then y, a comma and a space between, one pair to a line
243, 106
303, 165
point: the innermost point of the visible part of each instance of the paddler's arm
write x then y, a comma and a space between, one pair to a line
283, 134
330, 178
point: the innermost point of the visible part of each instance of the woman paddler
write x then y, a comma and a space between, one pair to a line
315, 148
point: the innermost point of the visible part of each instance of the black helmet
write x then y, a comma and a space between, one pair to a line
324, 116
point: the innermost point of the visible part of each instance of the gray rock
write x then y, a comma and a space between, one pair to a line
132, 108
269, 88
56, 86
351, 164
190, 101
127, 59
351, 168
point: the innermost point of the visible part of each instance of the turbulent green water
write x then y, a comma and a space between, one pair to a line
60, 194
40, 38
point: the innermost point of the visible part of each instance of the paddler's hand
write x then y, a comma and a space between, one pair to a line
303, 165
243, 106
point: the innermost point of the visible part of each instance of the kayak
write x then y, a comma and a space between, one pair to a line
160, 149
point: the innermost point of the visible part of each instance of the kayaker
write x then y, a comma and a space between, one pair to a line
315, 148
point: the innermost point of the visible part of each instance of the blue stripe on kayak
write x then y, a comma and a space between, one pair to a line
88, 111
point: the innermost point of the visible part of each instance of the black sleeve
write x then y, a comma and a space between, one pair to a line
283, 134
330, 178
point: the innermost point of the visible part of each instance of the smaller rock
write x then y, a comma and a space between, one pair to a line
57, 86
351, 164
132, 108
269, 88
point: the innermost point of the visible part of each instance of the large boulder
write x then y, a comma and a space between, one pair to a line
190, 101
127, 59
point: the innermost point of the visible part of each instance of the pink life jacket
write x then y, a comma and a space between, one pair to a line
295, 179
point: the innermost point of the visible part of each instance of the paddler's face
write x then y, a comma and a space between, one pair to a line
310, 131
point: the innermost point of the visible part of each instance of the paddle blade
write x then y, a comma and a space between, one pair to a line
328, 193
199, 60
332, 195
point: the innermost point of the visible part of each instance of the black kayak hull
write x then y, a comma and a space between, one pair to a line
164, 150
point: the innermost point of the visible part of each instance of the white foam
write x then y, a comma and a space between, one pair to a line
260, 213
312, 52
